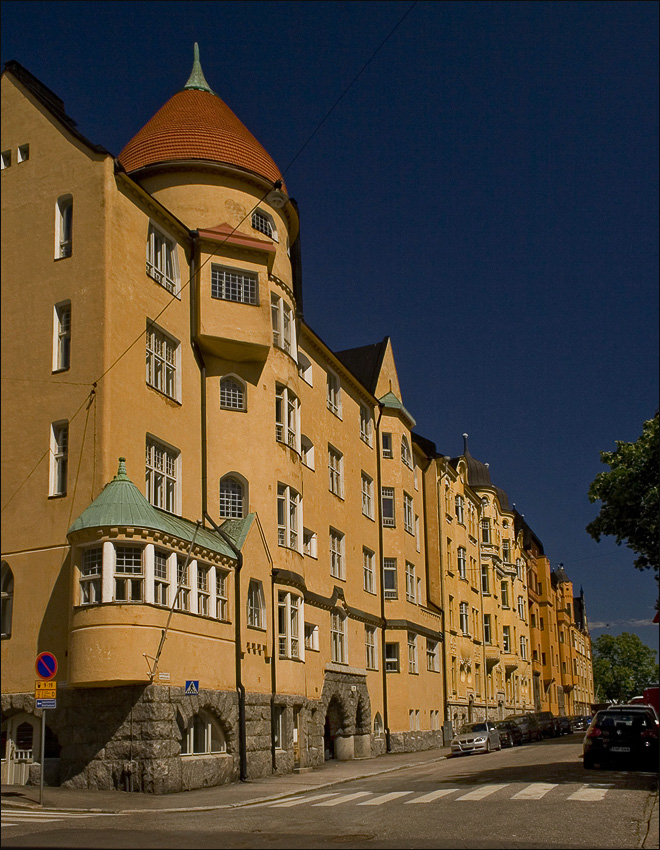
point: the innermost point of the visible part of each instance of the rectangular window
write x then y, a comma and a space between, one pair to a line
386, 440
234, 285
412, 652
370, 648
464, 617
334, 394
90, 576
256, 607
411, 584
288, 624
392, 657
337, 554
521, 607
460, 509
203, 590
408, 515
461, 562
390, 589
485, 530
182, 602
283, 324
451, 612
64, 227
505, 594
311, 637
506, 638
485, 581
387, 506
338, 637
161, 583
128, 574
62, 337
5, 162
368, 570
162, 357
477, 679
523, 648
287, 417
367, 495
366, 425
432, 656
278, 726
221, 607
309, 543
162, 263
23, 153
418, 544
162, 467
335, 471
506, 552
59, 458
453, 673
488, 637
475, 623
289, 517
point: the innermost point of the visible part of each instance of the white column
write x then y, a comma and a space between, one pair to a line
108, 572
149, 573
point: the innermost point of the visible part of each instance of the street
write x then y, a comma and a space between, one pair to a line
536, 796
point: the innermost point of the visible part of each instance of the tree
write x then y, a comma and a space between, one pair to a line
623, 666
629, 493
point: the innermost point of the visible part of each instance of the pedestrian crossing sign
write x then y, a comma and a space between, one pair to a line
192, 687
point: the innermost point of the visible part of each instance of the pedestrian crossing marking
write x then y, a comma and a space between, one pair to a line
433, 795
385, 798
14, 817
345, 799
589, 793
298, 800
480, 793
534, 791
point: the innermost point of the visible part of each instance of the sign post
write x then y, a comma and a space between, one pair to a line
45, 692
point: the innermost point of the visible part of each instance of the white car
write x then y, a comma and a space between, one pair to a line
476, 738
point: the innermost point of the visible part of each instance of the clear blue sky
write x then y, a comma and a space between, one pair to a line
486, 193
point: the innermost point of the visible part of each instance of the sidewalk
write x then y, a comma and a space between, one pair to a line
222, 797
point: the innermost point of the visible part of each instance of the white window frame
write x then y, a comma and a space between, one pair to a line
485, 530
338, 621
432, 656
488, 632
307, 451
23, 153
59, 457
335, 471
283, 324
366, 425
161, 578
464, 617
310, 543
392, 657
506, 638
523, 648
232, 496
367, 487
521, 607
182, 598
91, 575
129, 573
162, 361
337, 554
279, 726
305, 368
64, 227
236, 285
62, 336
408, 514
387, 498
233, 393
203, 589
333, 394
221, 595
461, 561
287, 417
256, 605
389, 573
162, 259
460, 509
506, 551
162, 475
368, 571
386, 444
289, 517
205, 727
411, 583
290, 614
264, 223
504, 593
370, 647
406, 454
311, 637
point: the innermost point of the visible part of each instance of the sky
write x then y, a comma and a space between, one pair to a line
476, 180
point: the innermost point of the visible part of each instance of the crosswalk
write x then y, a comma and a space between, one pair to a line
589, 792
20, 817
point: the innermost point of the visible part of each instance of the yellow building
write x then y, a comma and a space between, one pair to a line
243, 558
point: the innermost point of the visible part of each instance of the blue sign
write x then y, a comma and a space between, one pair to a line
192, 687
46, 703
46, 665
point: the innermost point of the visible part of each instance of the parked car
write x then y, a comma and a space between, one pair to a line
548, 724
476, 738
625, 735
510, 733
580, 722
529, 726
564, 723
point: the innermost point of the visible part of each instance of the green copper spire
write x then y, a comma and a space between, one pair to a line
197, 80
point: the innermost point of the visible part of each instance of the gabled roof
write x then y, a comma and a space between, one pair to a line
121, 504
364, 362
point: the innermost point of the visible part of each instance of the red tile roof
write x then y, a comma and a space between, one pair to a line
197, 125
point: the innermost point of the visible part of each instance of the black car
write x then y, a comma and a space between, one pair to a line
510, 733
548, 724
529, 726
564, 723
625, 735
580, 722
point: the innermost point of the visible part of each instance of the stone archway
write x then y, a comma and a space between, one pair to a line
334, 724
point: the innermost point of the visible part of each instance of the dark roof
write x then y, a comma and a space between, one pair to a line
478, 474
504, 499
364, 362
560, 572
51, 101
529, 538
427, 446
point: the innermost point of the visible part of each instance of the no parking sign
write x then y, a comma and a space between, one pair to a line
46, 665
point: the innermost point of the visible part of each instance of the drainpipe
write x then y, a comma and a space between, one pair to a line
386, 721
199, 357
443, 605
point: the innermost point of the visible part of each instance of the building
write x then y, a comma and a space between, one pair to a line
230, 536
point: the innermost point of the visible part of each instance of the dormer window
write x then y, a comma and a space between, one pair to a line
263, 222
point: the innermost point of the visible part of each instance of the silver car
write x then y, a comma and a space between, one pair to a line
476, 738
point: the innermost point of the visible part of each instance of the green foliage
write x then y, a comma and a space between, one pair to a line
623, 666
629, 493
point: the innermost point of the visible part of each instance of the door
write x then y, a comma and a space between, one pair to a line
296, 736
22, 741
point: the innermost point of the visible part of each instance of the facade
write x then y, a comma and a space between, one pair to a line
243, 557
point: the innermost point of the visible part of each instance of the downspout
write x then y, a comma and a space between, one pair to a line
443, 605
386, 721
199, 357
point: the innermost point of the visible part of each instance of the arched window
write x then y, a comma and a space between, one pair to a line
203, 734
264, 223
232, 394
7, 598
406, 456
378, 725
232, 497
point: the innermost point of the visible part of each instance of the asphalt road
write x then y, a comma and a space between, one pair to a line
535, 796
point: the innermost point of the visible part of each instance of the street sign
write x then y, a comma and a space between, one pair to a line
46, 665
46, 703
192, 687
45, 690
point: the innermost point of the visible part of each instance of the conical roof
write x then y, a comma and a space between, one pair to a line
195, 124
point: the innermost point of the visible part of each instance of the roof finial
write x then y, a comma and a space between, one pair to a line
197, 80
465, 448
121, 471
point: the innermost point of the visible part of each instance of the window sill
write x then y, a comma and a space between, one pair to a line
164, 395
62, 369
258, 628
57, 496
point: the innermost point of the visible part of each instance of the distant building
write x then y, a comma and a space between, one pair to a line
242, 556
